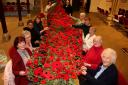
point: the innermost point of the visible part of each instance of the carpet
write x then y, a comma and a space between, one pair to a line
125, 50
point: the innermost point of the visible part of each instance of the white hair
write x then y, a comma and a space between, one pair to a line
83, 14
24, 33
110, 53
98, 38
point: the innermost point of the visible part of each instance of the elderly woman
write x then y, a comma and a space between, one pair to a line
93, 56
27, 36
88, 40
105, 74
19, 56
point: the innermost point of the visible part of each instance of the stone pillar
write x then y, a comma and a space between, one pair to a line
28, 9
71, 2
113, 11
6, 36
20, 23
114, 7
43, 5
117, 7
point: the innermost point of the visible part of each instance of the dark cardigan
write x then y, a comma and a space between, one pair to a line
17, 66
108, 77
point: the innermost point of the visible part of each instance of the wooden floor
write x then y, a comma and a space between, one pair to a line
111, 38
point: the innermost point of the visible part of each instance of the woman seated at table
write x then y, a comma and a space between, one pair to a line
38, 26
19, 56
35, 37
93, 55
105, 74
88, 40
27, 36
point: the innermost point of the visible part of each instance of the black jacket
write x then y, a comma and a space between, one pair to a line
108, 77
68, 9
84, 27
34, 36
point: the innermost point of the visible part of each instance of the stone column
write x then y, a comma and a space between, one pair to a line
43, 5
114, 7
20, 23
113, 12
28, 9
71, 2
6, 36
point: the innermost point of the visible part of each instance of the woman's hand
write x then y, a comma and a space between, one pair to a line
83, 68
84, 72
37, 42
22, 73
46, 28
85, 50
87, 65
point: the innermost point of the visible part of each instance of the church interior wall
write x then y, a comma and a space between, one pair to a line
31, 2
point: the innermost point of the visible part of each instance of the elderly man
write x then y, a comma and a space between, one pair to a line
81, 18
105, 74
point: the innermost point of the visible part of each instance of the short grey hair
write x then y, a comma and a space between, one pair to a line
111, 53
98, 38
82, 14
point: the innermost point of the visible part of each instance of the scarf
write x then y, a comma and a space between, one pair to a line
24, 55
